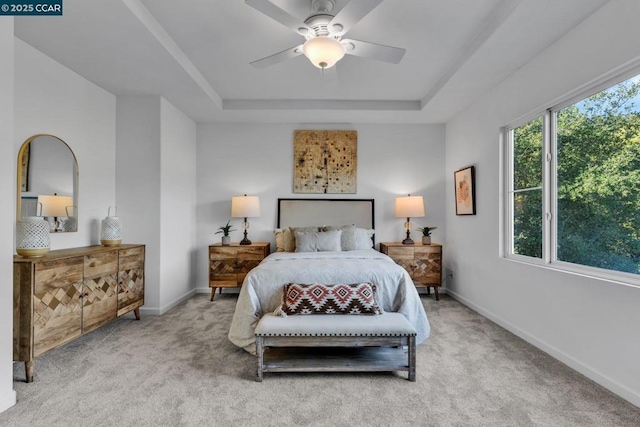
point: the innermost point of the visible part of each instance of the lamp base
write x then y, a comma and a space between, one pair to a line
408, 240
245, 241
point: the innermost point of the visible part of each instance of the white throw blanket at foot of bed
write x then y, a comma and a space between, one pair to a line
261, 291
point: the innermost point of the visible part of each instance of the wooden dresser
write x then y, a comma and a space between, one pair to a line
229, 264
423, 262
69, 292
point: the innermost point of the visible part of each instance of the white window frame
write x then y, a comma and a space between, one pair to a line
549, 184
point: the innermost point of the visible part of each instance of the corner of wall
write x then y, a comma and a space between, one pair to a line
7, 211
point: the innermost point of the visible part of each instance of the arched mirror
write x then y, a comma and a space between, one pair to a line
48, 182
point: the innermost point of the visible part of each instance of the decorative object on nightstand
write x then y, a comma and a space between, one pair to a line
426, 234
245, 207
422, 262
229, 264
409, 207
225, 230
111, 229
32, 237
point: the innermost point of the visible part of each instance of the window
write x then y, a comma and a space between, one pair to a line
573, 184
527, 189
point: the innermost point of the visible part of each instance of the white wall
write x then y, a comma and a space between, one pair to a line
177, 206
155, 192
138, 183
7, 212
257, 159
49, 98
592, 325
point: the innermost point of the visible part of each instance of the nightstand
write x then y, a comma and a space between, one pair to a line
422, 262
229, 264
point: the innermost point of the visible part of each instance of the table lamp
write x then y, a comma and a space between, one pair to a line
57, 207
409, 207
245, 207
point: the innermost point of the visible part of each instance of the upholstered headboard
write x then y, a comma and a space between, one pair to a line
310, 212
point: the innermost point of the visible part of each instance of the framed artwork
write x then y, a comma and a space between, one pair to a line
465, 191
325, 161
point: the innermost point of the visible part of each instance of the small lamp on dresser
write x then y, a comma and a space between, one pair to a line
245, 207
409, 207
55, 207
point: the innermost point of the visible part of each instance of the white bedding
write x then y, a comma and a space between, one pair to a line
262, 289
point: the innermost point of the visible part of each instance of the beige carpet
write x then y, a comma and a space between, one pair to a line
180, 369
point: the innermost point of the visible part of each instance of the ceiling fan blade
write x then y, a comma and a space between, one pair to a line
350, 14
280, 15
278, 57
379, 52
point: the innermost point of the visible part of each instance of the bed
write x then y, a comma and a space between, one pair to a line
262, 289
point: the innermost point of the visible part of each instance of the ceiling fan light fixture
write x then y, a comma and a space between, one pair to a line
323, 51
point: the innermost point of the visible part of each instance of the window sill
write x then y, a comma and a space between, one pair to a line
594, 273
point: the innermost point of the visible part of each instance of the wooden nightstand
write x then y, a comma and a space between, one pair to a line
229, 264
423, 262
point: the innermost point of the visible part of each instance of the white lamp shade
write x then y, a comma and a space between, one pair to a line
56, 205
245, 206
323, 51
409, 207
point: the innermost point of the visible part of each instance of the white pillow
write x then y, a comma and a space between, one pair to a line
362, 238
317, 242
353, 238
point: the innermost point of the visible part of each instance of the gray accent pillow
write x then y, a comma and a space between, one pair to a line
285, 240
317, 242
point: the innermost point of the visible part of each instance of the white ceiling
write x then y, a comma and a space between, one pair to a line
196, 53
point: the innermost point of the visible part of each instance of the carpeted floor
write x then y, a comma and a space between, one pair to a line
180, 369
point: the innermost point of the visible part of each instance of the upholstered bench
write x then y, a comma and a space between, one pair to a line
360, 343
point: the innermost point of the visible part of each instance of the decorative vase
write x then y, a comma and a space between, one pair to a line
32, 237
426, 240
226, 240
71, 223
111, 230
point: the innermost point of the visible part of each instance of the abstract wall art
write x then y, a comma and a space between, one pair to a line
325, 161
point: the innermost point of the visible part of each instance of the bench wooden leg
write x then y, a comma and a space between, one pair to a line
260, 353
412, 358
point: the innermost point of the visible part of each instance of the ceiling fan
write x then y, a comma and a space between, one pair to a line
323, 31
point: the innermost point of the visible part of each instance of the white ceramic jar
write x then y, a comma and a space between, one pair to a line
111, 229
32, 237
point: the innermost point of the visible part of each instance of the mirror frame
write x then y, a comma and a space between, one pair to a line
76, 177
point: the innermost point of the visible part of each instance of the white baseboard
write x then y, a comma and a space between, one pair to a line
7, 400
606, 382
159, 311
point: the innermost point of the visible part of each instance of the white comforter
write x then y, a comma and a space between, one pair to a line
262, 289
